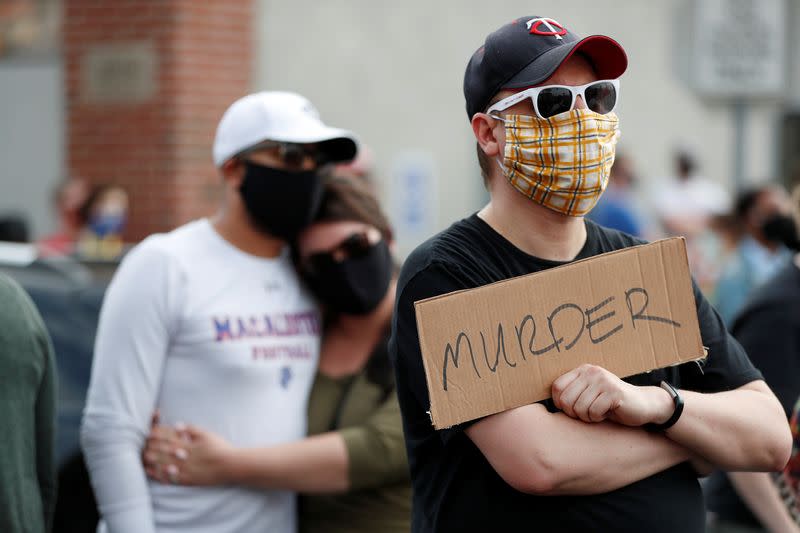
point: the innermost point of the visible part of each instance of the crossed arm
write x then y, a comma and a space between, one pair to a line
596, 445
555, 454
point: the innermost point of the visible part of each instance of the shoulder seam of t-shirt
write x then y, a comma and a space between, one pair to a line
157, 246
181, 233
430, 262
434, 252
165, 243
743, 378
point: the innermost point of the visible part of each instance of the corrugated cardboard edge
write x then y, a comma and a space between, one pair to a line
661, 242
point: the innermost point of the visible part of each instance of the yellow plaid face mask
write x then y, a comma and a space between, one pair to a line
562, 162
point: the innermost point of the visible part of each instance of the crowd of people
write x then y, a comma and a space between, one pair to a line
260, 369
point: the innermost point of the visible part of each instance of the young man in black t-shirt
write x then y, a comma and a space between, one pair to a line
545, 153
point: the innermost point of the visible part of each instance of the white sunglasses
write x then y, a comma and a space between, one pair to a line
600, 96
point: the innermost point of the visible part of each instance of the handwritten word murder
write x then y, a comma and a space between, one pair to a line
559, 331
229, 328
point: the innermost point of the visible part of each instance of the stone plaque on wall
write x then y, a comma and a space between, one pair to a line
740, 47
120, 72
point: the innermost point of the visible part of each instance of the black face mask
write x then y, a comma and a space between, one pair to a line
782, 229
356, 285
280, 202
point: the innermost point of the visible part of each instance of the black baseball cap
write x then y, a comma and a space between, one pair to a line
527, 51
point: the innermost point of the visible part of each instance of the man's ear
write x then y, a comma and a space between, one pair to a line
487, 133
232, 172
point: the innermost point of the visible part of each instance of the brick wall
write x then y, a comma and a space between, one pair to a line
147, 81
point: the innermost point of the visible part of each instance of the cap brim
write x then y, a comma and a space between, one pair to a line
606, 55
338, 145
339, 149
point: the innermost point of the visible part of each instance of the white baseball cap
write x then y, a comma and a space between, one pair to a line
278, 116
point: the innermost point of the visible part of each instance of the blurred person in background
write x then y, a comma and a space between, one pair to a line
605, 454
685, 204
686, 201
353, 470
210, 325
27, 415
69, 200
762, 214
728, 229
616, 209
105, 213
768, 328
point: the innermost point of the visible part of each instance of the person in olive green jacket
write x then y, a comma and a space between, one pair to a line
27, 415
352, 471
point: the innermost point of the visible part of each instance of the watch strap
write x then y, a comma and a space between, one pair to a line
676, 414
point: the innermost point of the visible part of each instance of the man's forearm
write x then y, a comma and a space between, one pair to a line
763, 499
742, 429
117, 476
543, 453
608, 457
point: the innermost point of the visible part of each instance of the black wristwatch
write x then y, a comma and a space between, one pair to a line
676, 414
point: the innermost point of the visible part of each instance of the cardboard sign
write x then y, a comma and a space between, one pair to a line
500, 346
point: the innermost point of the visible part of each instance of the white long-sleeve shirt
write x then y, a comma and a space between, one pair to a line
210, 336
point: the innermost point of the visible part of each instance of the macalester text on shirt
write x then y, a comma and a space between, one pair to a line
229, 328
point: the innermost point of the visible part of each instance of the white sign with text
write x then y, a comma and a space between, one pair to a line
739, 47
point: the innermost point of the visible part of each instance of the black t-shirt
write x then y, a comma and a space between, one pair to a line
455, 488
769, 329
